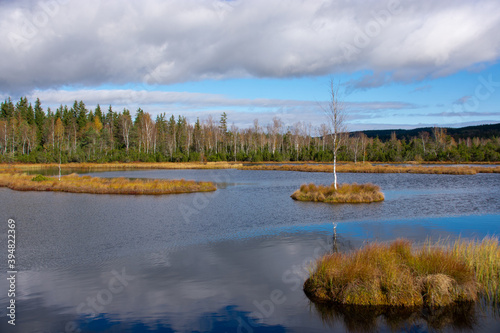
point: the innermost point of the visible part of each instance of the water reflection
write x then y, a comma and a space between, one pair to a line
371, 319
226, 319
214, 271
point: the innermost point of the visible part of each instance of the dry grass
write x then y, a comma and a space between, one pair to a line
346, 193
484, 258
124, 166
303, 167
397, 274
87, 184
377, 168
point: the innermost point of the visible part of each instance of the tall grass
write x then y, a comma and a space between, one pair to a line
484, 258
345, 193
377, 168
87, 184
398, 274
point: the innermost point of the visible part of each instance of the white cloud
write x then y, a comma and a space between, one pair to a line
54, 43
241, 111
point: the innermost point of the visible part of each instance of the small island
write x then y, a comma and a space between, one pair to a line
95, 185
400, 275
345, 193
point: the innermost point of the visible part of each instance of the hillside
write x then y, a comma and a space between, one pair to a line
480, 131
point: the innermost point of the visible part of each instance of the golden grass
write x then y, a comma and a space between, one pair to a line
484, 258
377, 168
302, 166
122, 166
345, 193
398, 274
95, 185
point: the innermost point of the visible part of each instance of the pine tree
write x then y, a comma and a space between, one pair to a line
39, 120
7, 109
82, 115
98, 112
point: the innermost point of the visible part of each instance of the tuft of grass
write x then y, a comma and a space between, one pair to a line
87, 184
484, 258
345, 193
397, 274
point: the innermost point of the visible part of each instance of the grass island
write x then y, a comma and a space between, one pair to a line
345, 193
398, 274
86, 184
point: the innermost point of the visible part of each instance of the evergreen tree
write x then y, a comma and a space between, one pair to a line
82, 115
7, 109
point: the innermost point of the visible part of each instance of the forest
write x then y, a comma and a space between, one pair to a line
30, 134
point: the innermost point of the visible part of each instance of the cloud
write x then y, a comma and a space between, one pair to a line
462, 100
367, 82
242, 111
55, 43
423, 88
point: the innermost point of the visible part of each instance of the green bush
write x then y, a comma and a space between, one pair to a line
40, 178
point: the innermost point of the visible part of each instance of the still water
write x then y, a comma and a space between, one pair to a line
233, 260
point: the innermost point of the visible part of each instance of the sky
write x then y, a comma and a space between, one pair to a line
397, 64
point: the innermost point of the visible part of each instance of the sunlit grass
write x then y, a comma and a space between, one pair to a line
345, 193
484, 258
398, 274
87, 184
304, 167
121, 166
378, 168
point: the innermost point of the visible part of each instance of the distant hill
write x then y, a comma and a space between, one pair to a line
480, 131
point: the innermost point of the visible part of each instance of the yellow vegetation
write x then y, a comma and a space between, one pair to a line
377, 168
87, 184
397, 274
304, 167
125, 166
345, 193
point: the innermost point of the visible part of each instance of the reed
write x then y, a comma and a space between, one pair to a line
398, 274
95, 185
377, 168
484, 258
345, 193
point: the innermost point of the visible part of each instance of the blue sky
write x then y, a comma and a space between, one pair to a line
399, 64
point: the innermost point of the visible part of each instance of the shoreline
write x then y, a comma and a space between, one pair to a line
342, 167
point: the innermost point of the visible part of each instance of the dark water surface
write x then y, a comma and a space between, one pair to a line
233, 260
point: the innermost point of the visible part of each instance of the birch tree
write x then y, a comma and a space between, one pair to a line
335, 112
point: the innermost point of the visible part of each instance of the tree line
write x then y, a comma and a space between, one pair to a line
76, 133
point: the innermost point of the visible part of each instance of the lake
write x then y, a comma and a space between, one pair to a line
233, 260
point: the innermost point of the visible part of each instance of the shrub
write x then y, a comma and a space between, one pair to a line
40, 178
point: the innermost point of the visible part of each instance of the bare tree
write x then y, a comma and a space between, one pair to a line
364, 142
126, 125
425, 137
354, 143
335, 112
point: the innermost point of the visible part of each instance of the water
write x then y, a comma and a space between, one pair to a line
233, 260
